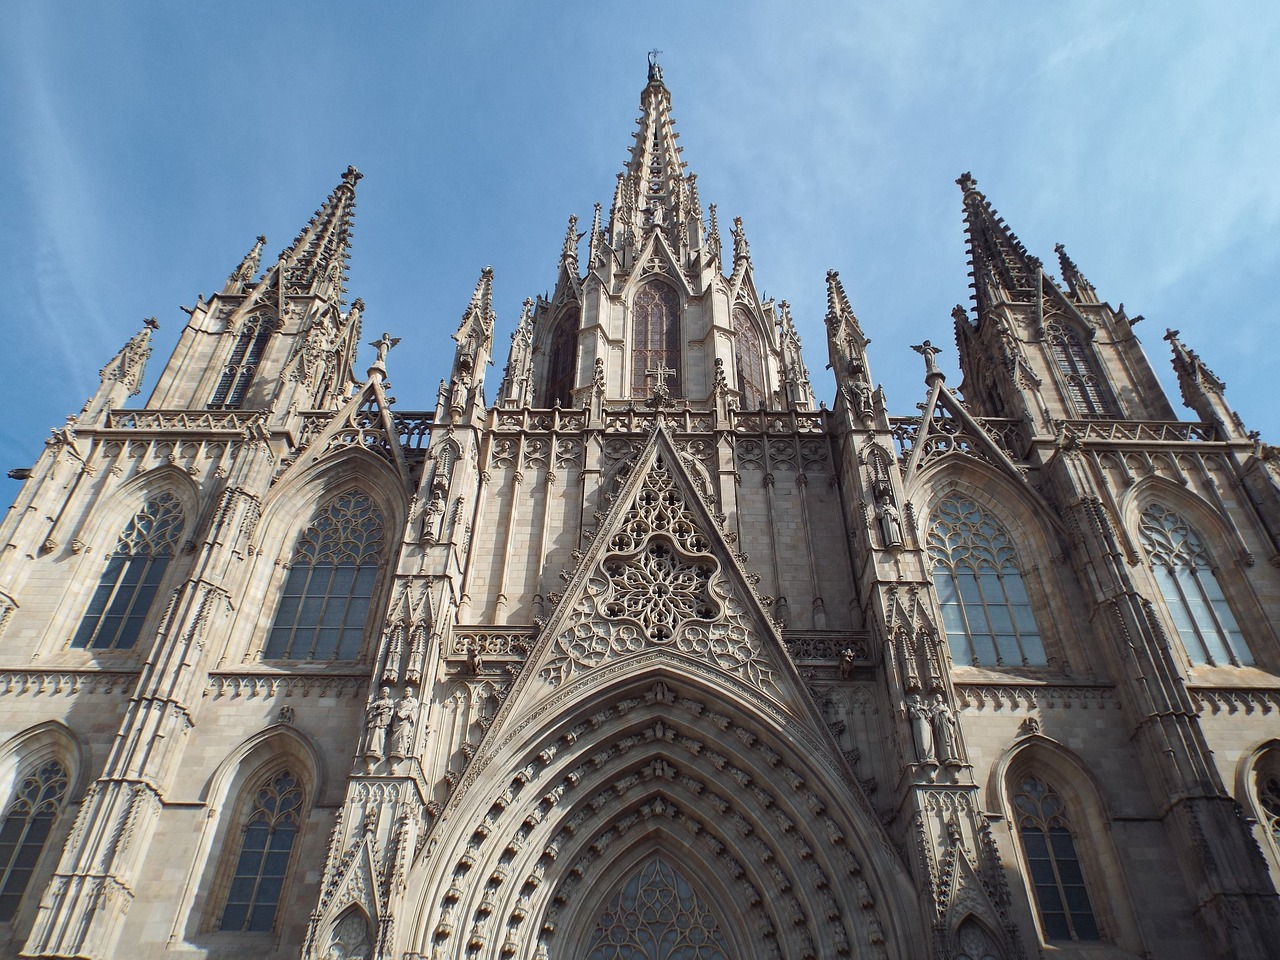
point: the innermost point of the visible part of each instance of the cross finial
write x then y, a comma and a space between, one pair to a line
659, 375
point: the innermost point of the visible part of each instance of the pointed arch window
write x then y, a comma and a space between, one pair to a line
325, 606
1085, 387
748, 356
657, 916
1062, 900
263, 859
25, 830
246, 356
135, 569
655, 338
985, 609
562, 362
1269, 800
1191, 591
974, 943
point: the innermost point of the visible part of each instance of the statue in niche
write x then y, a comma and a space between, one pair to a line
848, 660
945, 733
377, 720
406, 717
921, 718
887, 514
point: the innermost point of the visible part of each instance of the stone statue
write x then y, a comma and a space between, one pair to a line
945, 732
921, 728
862, 397
848, 660
383, 345
406, 717
377, 720
929, 352
890, 520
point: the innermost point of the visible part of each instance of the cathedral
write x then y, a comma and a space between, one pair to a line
641, 652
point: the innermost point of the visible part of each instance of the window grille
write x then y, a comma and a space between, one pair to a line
246, 356
985, 610
1191, 591
656, 338
657, 916
561, 364
25, 830
263, 860
1062, 900
1086, 389
748, 356
134, 571
330, 585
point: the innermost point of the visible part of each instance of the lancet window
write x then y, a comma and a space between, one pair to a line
1085, 387
562, 361
657, 916
25, 830
266, 843
748, 355
246, 355
128, 585
1191, 591
974, 943
331, 580
655, 344
985, 610
1062, 900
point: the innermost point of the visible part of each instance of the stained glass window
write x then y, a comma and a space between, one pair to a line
246, 355
657, 916
656, 338
1190, 589
749, 358
985, 610
562, 361
134, 570
1087, 390
258, 880
326, 599
1269, 800
1062, 900
25, 829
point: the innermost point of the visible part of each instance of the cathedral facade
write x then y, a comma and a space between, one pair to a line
642, 653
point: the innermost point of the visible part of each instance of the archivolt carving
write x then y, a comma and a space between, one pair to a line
655, 757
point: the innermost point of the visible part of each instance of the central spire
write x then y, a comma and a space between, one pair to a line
654, 192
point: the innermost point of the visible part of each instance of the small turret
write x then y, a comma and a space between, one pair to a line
122, 376
1203, 391
241, 278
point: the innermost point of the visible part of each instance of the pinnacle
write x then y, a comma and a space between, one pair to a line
320, 251
837, 301
1076, 282
999, 264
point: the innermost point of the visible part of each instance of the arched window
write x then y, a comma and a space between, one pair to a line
655, 341
1191, 590
350, 938
246, 355
27, 822
128, 585
985, 610
263, 860
748, 356
334, 570
657, 916
1062, 900
974, 943
1085, 387
562, 361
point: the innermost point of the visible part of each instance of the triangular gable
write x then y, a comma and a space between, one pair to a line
355, 881
657, 259
660, 578
365, 422
947, 427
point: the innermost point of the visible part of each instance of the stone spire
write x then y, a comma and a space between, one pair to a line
316, 261
999, 264
1081, 289
122, 376
1202, 390
241, 278
795, 375
654, 192
569, 253
846, 342
517, 380
475, 349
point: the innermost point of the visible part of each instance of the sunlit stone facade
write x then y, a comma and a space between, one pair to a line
644, 652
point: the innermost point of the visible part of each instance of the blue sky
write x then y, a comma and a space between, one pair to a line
146, 144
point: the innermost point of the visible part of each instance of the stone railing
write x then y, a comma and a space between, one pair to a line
221, 421
1141, 431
